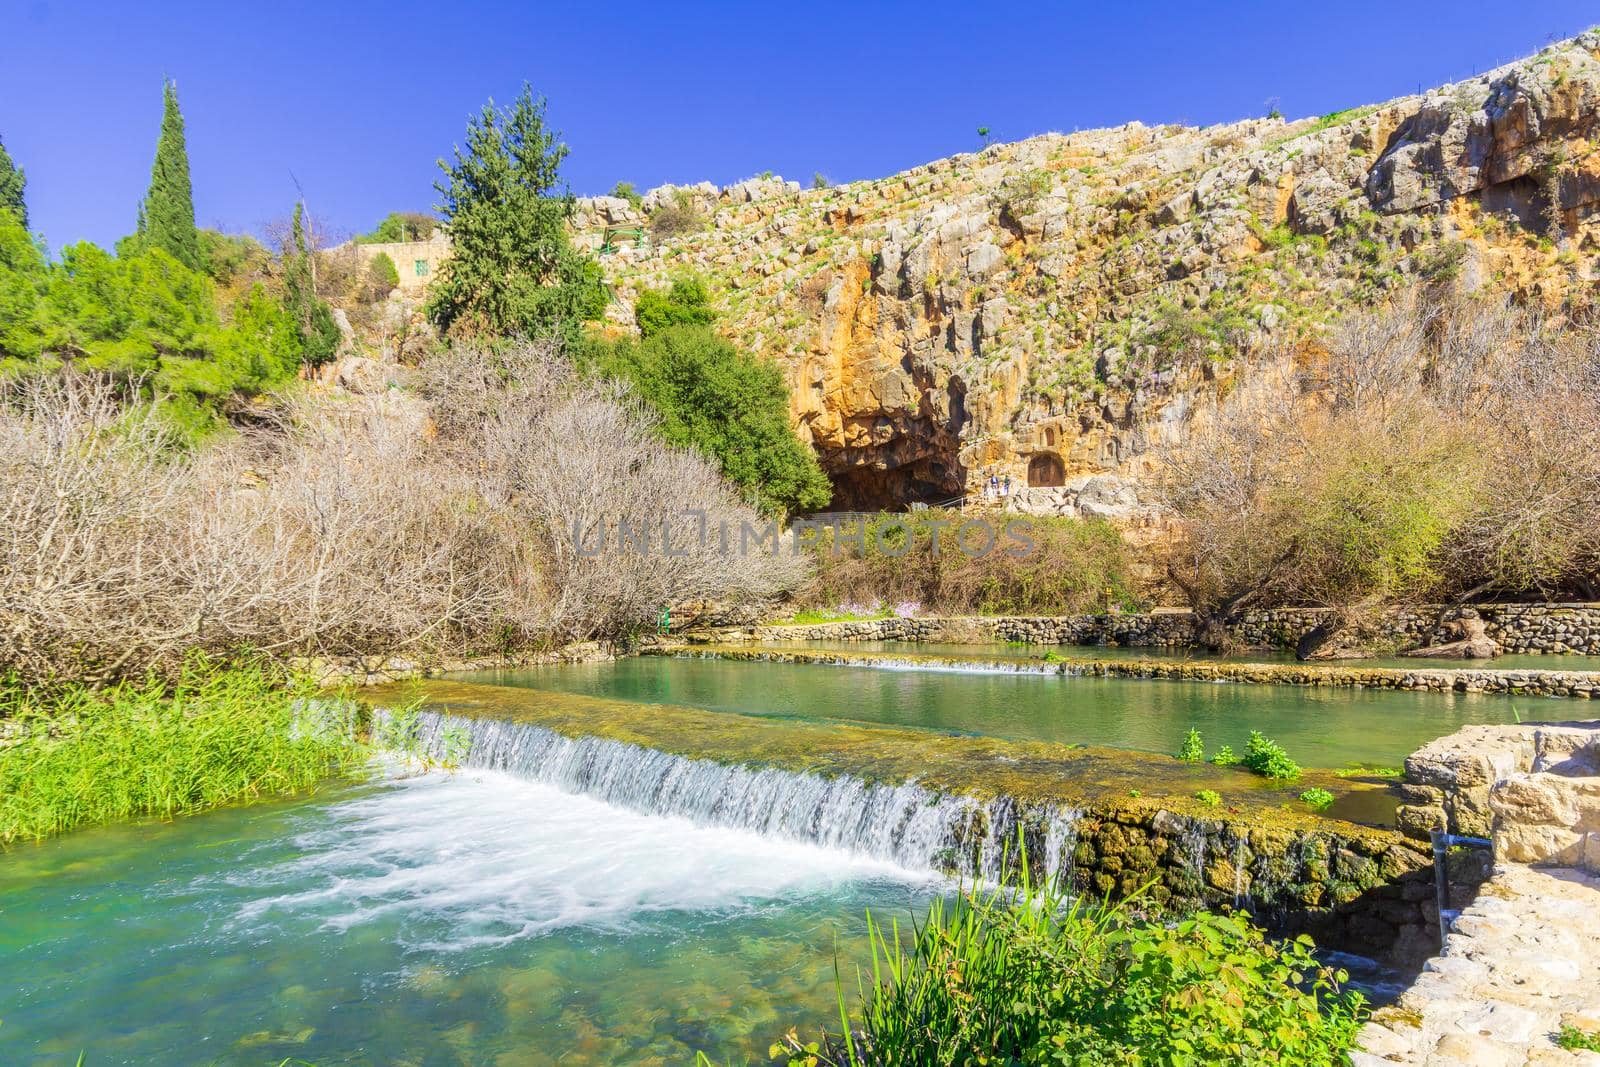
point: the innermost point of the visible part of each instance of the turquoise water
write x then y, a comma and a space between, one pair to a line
1013, 650
1320, 727
465, 919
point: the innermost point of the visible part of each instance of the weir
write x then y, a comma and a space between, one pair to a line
1110, 823
902, 823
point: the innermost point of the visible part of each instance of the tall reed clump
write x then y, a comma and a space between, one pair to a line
75, 756
1031, 977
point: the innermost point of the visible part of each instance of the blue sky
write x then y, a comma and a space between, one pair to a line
355, 100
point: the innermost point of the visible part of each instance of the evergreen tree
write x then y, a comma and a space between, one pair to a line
319, 333
167, 215
512, 271
12, 184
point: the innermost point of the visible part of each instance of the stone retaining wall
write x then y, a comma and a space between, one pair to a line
1533, 787
381, 670
1522, 629
1369, 894
1537, 683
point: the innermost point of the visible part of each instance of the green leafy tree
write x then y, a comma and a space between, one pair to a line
686, 303
732, 406
264, 346
400, 226
24, 279
12, 185
230, 257
626, 191
320, 336
512, 272
166, 219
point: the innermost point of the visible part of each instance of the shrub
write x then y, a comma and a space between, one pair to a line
1225, 757
1067, 569
678, 215
685, 303
347, 529
1317, 798
731, 406
1193, 750
1209, 797
1573, 1039
385, 275
626, 191
1029, 977
1268, 759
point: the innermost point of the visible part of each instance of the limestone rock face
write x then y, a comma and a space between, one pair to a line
1050, 309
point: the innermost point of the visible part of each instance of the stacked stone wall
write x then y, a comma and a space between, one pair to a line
1516, 629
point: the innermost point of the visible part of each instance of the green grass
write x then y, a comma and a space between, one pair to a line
1031, 976
1575, 1040
812, 616
1369, 770
76, 756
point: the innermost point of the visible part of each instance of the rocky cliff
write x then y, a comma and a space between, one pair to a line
1045, 309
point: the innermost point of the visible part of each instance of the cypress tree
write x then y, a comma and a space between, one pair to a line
12, 184
167, 221
320, 335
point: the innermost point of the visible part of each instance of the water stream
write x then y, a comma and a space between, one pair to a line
900, 824
445, 919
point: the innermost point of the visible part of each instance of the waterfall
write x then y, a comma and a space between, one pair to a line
904, 824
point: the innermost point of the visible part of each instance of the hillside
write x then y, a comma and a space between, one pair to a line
1041, 309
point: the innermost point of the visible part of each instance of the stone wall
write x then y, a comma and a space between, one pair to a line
1364, 892
1533, 787
1581, 685
332, 671
1518, 629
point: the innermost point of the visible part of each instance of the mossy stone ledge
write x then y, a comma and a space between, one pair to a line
1139, 826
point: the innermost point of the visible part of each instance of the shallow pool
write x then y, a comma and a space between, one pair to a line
1320, 727
445, 919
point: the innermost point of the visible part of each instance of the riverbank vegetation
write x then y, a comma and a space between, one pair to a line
214, 734
1001, 565
1443, 448
1031, 977
351, 528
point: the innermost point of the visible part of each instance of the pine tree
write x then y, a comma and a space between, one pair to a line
512, 271
12, 184
167, 219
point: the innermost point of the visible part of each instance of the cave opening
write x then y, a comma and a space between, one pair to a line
1046, 470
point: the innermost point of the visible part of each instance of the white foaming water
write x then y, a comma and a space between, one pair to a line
905, 824
480, 857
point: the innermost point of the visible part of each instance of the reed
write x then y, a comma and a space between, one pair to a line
73, 756
1030, 975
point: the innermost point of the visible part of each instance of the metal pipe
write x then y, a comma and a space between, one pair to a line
1442, 842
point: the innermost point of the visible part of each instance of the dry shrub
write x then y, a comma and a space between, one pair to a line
1064, 566
86, 486
1448, 446
351, 527
580, 460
